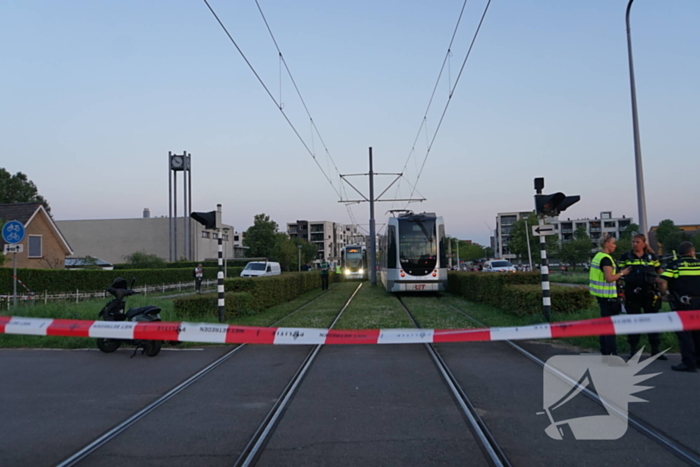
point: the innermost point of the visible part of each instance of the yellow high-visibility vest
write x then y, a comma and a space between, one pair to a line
596, 278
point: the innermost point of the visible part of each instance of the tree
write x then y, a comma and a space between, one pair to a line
519, 236
577, 250
19, 189
143, 260
674, 239
696, 241
260, 237
471, 251
629, 231
666, 227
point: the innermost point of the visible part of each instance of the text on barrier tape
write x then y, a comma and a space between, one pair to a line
232, 334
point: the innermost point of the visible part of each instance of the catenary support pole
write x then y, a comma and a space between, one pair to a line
220, 280
372, 233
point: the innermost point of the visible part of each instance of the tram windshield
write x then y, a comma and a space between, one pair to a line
418, 244
353, 258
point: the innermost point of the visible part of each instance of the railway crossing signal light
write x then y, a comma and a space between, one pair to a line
552, 205
210, 220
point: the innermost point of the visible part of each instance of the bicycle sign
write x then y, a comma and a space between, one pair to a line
13, 232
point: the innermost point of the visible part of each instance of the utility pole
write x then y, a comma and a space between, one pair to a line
371, 200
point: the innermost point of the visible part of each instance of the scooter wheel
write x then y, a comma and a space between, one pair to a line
108, 345
152, 348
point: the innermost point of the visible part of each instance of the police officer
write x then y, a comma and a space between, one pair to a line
603, 278
641, 289
324, 274
682, 280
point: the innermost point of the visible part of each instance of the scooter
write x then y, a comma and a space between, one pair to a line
114, 311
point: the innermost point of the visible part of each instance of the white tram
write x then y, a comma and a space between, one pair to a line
353, 262
413, 253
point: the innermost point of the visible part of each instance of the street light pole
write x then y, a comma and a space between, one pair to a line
641, 201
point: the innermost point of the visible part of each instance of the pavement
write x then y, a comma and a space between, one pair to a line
359, 405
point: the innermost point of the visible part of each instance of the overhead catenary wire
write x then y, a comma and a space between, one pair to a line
452, 90
277, 104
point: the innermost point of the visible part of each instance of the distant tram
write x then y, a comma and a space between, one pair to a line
353, 262
413, 253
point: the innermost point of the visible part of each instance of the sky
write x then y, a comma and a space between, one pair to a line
96, 93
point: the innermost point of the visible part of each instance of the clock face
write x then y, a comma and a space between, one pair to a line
176, 162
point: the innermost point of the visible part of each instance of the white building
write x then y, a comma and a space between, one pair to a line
595, 227
330, 237
113, 239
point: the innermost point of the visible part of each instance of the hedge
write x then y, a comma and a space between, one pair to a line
518, 293
93, 280
246, 296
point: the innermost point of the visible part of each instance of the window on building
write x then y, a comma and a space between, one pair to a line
34, 246
206, 234
606, 215
609, 224
236, 238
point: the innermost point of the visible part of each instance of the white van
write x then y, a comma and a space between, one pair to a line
499, 265
261, 268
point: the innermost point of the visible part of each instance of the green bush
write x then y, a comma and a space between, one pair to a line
207, 305
527, 299
88, 280
518, 293
251, 295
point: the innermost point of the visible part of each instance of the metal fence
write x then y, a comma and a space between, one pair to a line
6, 301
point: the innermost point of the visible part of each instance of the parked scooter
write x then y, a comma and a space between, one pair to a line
114, 311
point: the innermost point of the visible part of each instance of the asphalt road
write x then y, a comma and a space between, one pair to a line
359, 405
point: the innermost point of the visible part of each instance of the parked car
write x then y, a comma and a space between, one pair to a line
261, 268
499, 265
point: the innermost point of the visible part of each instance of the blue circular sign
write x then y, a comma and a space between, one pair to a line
13, 232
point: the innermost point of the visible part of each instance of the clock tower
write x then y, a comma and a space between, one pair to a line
180, 163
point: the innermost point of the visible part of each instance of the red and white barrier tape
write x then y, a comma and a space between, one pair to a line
231, 334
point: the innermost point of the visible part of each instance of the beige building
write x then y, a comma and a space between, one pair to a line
44, 245
113, 239
330, 237
595, 227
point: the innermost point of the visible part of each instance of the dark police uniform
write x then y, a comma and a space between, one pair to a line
641, 292
683, 278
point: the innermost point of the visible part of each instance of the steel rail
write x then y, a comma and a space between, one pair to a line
123, 426
672, 445
487, 441
251, 453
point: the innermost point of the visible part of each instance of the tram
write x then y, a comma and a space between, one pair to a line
413, 253
353, 262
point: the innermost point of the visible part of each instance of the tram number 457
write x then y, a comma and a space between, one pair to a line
419, 286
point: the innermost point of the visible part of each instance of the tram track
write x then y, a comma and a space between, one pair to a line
257, 443
487, 442
667, 442
123, 426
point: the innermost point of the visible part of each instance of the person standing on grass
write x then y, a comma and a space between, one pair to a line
198, 276
602, 280
324, 275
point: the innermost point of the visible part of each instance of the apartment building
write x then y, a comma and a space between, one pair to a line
595, 227
330, 237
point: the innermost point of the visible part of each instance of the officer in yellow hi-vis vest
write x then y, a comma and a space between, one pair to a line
603, 279
682, 279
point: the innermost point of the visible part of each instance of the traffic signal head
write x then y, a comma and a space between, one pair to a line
552, 205
210, 220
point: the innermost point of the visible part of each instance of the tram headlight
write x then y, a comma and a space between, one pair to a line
361, 271
401, 273
347, 272
435, 273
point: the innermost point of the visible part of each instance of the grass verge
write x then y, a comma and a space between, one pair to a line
374, 308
